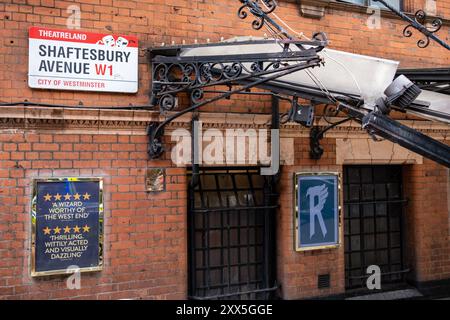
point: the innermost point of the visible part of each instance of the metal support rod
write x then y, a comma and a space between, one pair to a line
420, 16
195, 149
408, 138
316, 134
257, 11
234, 294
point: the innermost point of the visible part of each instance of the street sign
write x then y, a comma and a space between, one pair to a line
316, 211
82, 61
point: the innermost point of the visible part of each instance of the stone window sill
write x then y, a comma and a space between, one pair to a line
353, 7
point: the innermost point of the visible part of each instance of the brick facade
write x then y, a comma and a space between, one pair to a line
146, 233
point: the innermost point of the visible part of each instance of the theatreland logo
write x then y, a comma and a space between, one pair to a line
68, 225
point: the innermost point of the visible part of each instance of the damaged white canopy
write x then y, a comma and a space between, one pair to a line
343, 72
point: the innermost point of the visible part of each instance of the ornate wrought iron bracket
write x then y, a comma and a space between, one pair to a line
218, 76
261, 9
332, 110
419, 23
174, 71
316, 135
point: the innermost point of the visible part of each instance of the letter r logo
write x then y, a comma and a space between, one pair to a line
315, 208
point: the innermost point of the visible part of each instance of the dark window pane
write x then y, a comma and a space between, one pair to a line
225, 182
395, 239
354, 225
356, 260
367, 192
381, 224
353, 192
369, 225
242, 181
381, 209
382, 241
382, 257
369, 258
395, 256
394, 190
208, 182
369, 242
366, 175
355, 243
354, 211
212, 199
353, 175
394, 223
380, 191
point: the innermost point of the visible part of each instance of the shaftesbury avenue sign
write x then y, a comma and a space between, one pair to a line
316, 211
67, 225
82, 61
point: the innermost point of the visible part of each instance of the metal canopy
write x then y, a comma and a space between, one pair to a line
241, 66
174, 73
432, 79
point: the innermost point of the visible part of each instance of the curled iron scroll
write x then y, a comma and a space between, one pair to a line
420, 19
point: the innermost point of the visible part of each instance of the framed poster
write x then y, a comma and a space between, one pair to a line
317, 210
67, 226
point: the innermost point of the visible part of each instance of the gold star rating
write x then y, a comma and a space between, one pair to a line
57, 230
67, 229
76, 196
86, 196
47, 197
76, 229
67, 196
47, 230
57, 197
86, 228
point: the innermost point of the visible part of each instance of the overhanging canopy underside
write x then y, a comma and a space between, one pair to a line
346, 75
363, 87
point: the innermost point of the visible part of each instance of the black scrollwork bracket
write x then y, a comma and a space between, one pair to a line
155, 146
239, 75
261, 9
317, 133
420, 23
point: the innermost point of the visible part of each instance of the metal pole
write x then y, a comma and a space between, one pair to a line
437, 23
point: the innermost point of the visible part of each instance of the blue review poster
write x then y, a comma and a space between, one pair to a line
67, 225
318, 216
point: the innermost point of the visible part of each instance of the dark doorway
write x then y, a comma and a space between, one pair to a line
373, 207
231, 215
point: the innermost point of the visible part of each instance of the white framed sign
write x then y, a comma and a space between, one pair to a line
317, 210
82, 61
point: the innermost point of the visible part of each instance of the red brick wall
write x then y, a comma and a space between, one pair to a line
427, 221
145, 233
298, 271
